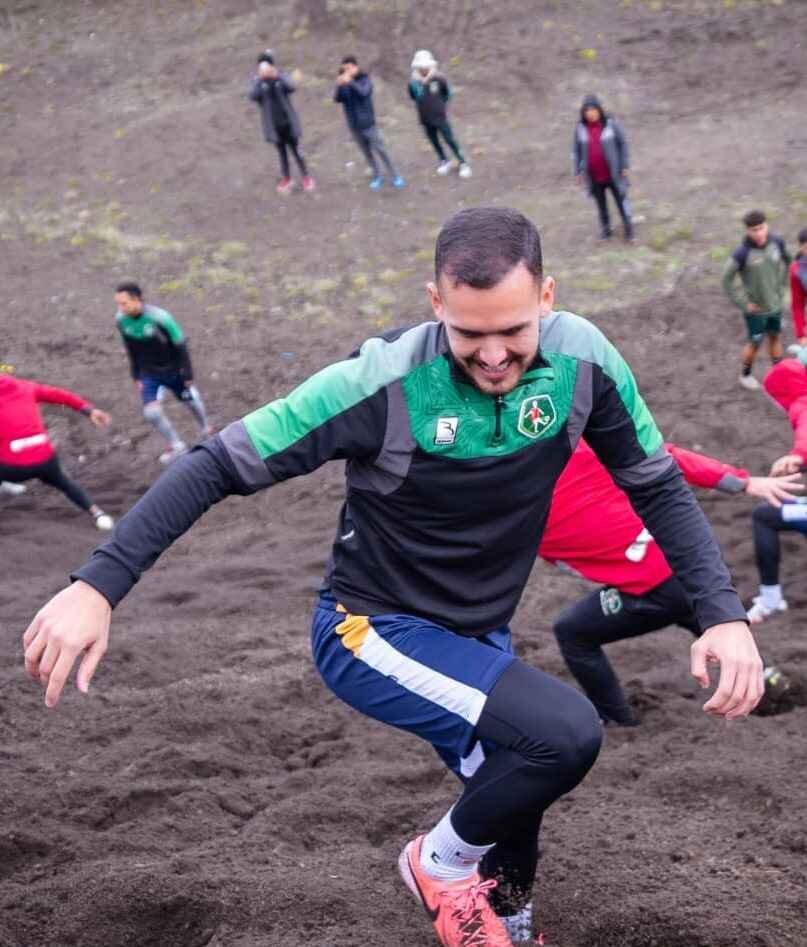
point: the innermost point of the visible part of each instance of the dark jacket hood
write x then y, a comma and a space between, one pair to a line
591, 101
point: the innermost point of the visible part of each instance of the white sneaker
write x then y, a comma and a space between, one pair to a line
749, 383
170, 455
12, 489
758, 612
104, 522
465, 170
444, 167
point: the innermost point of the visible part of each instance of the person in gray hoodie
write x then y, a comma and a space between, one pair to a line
270, 90
600, 157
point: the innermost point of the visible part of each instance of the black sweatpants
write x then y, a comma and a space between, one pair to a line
433, 133
51, 473
768, 523
541, 738
598, 192
608, 615
285, 142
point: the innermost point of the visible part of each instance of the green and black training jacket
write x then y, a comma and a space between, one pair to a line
448, 488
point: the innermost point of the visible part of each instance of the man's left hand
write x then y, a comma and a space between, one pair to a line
741, 685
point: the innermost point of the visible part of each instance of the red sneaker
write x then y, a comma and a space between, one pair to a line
308, 183
459, 910
284, 185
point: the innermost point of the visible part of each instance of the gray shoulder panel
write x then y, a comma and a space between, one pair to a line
246, 460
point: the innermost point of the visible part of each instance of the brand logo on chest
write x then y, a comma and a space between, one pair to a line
446, 430
536, 415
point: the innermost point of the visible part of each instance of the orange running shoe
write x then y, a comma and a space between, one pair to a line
459, 910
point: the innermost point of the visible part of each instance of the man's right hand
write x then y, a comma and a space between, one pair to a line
74, 622
752, 309
790, 463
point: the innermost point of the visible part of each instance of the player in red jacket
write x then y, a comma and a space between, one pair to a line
798, 288
593, 532
786, 383
26, 451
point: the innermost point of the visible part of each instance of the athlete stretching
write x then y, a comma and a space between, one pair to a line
593, 532
786, 383
455, 432
26, 451
159, 359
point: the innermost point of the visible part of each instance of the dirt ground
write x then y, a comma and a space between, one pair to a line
210, 791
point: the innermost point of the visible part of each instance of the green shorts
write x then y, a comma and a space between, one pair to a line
760, 326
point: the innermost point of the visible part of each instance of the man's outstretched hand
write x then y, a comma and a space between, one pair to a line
74, 622
741, 685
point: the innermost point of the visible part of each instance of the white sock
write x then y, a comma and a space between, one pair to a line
446, 856
519, 926
771, 595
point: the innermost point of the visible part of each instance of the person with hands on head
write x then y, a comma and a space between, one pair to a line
786, 383
455, 432
271, 90
430, 92
593, 532
354, 91
26, 450
159, 360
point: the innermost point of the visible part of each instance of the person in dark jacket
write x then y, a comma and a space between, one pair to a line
354, 90
601, 160
430, 91
270, 90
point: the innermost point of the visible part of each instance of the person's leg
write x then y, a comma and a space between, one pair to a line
283, 154
376, 142
756, 329
297, 151
191, 397
361, 140
773, 334
448, 133
623, 206
598, 193
606, 616
434, 137
768, 522
541, 736
157, 418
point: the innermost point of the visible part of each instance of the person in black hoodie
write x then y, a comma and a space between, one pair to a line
270, 90
600, 156
354, 90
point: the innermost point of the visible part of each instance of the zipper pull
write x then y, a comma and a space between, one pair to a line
498, 437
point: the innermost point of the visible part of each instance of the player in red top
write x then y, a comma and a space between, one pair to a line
798, 288
786, 383
26, 451
593, 532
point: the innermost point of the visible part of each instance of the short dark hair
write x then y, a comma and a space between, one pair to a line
479, 246
266, 57
754, 218
131, 288
350, 59
802, 237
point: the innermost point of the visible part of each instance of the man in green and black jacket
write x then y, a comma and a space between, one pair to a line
159, 361
454, 432
761, 261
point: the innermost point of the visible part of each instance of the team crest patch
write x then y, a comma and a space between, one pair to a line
446, 430
610, 601
536, 415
